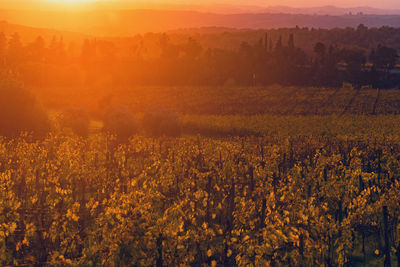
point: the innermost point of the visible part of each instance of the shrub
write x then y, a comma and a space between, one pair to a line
160, 122
21, 112
76, 119
119, 120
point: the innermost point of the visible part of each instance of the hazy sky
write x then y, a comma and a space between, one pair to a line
392, 4
309, 3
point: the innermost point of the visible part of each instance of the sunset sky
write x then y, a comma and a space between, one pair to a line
33, 4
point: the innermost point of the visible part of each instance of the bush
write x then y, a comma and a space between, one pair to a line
160, 122
119, 120
76, 119
21, 112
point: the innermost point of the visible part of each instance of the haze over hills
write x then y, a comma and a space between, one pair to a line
228, 8
332, 10
217, 6
109, 22
225, 6
28, 34
244, 8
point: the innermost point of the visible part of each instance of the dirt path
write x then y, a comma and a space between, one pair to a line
356, 93
378, 95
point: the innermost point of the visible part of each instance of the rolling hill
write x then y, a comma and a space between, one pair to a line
130, 22
28, 34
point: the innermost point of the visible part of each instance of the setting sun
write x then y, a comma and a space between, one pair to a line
69, 1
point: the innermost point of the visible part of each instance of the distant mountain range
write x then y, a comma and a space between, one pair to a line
210, 6
103, 22
204, 6
29, 34
331, 10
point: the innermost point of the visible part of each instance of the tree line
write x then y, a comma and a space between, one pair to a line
272, 59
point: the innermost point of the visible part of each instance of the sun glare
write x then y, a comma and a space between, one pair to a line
69, 2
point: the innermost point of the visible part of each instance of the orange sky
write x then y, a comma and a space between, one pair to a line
46, 4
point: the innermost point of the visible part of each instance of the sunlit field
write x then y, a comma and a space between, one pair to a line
282, 180
199, 134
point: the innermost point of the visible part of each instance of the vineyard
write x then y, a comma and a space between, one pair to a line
272, 100
356, 126
272, 176
139, 140
268, 201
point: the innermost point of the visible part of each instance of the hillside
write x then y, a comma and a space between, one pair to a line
28, 34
